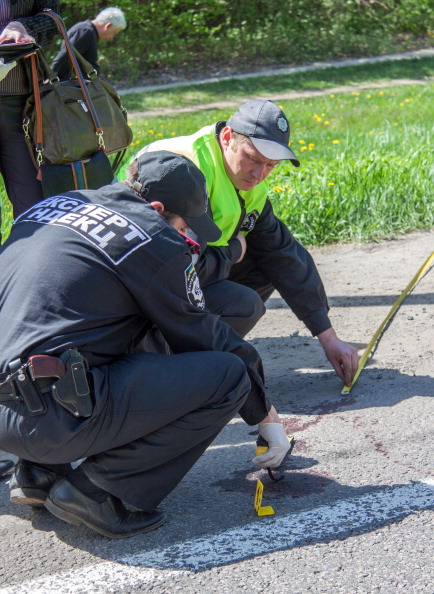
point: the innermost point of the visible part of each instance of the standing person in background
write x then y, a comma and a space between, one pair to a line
19, 24
85, 36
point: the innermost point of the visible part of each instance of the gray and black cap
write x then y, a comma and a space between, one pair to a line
176, 182
267, 127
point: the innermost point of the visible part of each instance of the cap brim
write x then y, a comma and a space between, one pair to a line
204, 227
274, 150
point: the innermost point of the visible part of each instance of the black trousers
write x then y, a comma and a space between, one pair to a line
16, 165
238, 305
154, 416
248, 274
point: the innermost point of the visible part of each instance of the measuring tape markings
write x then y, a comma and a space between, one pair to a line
393, 309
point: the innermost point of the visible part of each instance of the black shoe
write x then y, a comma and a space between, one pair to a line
110, 518
30, 483
6, 467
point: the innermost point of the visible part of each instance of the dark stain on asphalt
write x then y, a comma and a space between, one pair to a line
294, 424
324, 408
379, 446
296, 484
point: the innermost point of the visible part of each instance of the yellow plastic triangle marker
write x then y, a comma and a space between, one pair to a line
267, 510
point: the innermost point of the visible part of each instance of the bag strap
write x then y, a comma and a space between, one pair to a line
61, 26
38, 111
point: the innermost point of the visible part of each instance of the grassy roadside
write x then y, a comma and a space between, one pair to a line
322, 79
367, 167
367, 163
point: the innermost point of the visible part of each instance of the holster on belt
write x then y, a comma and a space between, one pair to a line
27, 389
72, 390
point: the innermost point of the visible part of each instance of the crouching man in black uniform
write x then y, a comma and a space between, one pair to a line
83, 276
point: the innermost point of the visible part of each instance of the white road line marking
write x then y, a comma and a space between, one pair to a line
321, 523
264, 535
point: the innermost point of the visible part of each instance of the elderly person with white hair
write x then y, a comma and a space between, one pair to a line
85, 37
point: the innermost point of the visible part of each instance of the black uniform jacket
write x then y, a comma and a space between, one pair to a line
289, 267
282, 261
92, 270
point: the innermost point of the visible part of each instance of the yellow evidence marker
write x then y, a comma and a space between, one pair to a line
267, 510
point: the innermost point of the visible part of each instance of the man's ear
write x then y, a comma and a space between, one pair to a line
225, 136
159, 207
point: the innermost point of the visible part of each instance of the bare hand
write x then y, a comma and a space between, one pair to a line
242, 240
15, 32
341, 355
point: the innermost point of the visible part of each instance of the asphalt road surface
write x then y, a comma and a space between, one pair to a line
354, 513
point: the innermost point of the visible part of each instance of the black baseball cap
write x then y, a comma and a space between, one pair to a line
180, 186
267, 127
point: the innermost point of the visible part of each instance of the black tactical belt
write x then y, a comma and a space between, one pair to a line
37, 367
65, 377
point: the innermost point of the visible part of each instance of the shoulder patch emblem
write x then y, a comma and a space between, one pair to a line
282, 124
250, 221
194, 292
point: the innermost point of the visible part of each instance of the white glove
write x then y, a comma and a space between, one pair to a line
278, 444
5, 68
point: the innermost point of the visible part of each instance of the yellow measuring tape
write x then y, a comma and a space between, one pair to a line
393, 309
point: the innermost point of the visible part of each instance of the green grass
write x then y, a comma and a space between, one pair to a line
367, 166
6, 210
367, 160
273, 86
367, 163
